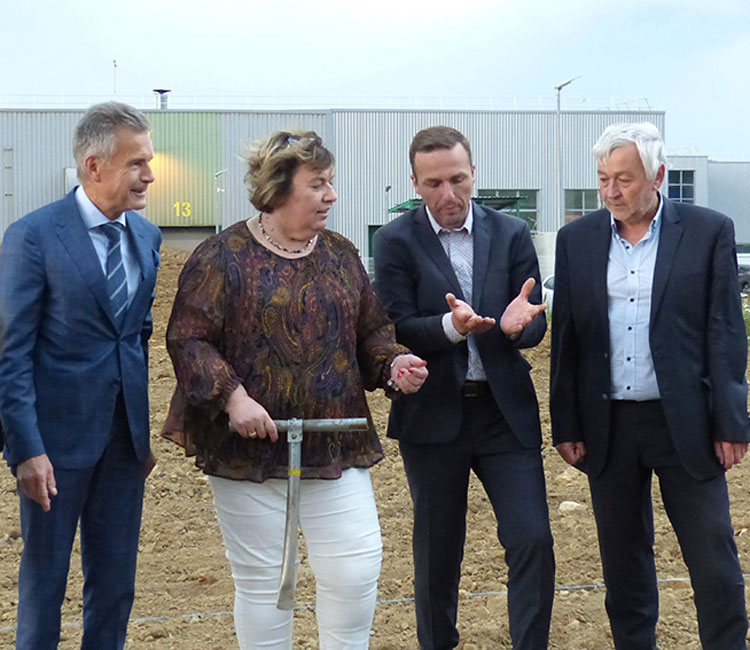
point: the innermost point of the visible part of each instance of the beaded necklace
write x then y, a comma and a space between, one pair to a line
279, 246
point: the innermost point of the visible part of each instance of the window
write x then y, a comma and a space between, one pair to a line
580, 202
521, 203
371, 230
681, 185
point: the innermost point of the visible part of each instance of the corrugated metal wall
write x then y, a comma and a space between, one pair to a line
730, 194
511, 151
199, 165
187, 154
35, 148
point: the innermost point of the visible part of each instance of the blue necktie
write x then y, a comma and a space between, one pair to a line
117, 284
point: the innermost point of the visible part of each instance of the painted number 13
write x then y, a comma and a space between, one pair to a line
182, 208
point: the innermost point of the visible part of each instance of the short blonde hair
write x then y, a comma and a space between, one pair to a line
273, 161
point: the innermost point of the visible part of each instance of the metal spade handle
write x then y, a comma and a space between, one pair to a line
294, 429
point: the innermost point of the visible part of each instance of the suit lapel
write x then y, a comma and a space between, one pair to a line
596, 255
75, 238
427, 238
669, 240
482, 243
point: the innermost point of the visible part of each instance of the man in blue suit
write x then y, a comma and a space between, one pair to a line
76, 286
437, 268
649, 352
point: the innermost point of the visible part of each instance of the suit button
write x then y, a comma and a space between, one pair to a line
605, 396
606, 355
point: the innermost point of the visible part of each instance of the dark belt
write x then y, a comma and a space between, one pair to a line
475, 389
644, 406
649, 403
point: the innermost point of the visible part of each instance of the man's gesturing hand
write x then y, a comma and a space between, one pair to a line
465, 319
520, 312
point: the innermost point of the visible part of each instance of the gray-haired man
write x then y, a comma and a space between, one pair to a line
648, 376
76, 285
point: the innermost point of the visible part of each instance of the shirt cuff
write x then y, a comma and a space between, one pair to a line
451, 333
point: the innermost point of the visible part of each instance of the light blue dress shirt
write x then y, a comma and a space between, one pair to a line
92, 219
630, 276
458, 245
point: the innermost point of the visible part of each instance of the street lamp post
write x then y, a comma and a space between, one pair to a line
559, 204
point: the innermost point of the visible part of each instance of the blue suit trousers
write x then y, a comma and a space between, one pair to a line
107, 499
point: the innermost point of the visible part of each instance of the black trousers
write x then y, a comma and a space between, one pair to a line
514, 481
640, 444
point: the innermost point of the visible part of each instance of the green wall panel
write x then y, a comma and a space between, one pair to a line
186, 157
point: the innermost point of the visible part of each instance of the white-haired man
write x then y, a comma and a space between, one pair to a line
648, 376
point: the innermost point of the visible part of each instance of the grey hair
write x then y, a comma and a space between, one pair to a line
96, 132
644, 135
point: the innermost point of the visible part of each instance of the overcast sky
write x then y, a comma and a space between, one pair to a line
690, 58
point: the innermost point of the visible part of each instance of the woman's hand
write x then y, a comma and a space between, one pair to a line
248, 418
409, 372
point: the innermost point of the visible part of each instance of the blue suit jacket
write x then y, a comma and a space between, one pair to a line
696, 335
63, 360
412, 276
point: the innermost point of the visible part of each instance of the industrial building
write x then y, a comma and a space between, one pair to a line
199, 166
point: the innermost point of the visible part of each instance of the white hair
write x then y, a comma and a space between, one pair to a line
644, 135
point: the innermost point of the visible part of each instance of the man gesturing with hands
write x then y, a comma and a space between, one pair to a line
461, 284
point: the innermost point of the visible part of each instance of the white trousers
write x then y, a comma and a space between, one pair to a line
340, 523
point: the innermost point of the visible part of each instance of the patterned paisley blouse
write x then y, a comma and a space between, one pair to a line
304, 336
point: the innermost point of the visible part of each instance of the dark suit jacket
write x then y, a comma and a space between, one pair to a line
63, 361
697, 336
412, 276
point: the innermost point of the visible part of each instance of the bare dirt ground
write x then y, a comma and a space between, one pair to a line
185, 591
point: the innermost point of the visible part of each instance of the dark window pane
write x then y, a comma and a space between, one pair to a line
529, 218
674, 192
687, 177
590, 199
687, 192
573, 200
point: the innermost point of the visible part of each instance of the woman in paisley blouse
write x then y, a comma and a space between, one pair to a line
275, 318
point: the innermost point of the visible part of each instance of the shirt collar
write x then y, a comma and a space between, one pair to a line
468, 222
92, 216
655, 222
